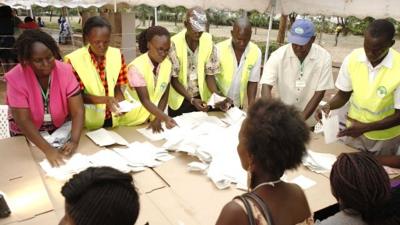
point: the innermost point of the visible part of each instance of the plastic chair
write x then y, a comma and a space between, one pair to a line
4, 127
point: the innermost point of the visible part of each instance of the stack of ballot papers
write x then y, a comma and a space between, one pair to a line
75, 164
234, 115
103, 137
132, 159
143, 154
319, 162
59, 137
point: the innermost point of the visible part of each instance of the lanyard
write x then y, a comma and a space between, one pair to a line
45, 95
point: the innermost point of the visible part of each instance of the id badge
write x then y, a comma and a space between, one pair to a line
300, 83
47, 117
193, 76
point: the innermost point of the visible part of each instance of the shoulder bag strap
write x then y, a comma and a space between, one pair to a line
263, 205
250, 215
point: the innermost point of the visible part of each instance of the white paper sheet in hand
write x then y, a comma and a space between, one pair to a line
103, 137
127, 106
233, 115
214, 98
331, 128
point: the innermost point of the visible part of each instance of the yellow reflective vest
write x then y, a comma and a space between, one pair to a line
371, 102
227, 63
204, 52
82, 63
156, 90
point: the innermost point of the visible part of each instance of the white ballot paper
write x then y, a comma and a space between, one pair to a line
215, 98
319, 162
127, 106
103, 137
330, 128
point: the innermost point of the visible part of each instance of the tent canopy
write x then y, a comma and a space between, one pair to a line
344, 8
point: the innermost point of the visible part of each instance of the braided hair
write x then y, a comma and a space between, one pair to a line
101, 195
361, 184
148, 34
25, 41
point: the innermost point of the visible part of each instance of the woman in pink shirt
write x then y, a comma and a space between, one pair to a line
43, 94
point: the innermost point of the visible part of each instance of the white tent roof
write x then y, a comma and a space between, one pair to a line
358, 8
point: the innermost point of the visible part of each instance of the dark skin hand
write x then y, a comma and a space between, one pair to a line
155, 125
198, 103
111, 102
313, 104
76, 110
23, 118
212, 86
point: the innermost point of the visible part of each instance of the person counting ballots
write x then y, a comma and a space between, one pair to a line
301, 71
194, 63
369, 79
101, 71
43, 94
149, 76
240, 63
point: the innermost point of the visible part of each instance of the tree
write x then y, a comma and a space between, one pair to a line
258, 20
143, 12
179, 12
282, 29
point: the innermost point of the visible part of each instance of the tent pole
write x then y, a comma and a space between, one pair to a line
115, 6
70, 28
155, 16
273, 6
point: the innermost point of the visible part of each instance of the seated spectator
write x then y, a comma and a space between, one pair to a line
29, 23
100, 196
362, 189
272, 140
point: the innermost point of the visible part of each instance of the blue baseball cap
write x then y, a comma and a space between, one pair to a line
301, 32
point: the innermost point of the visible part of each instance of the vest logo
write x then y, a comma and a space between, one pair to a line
299, 30
381, 92
163, 85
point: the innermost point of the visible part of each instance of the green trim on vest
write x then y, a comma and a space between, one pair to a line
225, 78
144, 65
371, 102
82, 63
205, 49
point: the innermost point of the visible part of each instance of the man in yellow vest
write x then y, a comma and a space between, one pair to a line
240, 61
195, 62
369, 79
101, 71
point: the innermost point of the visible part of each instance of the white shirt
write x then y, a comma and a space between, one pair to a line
234, 90
283, 70
343, 81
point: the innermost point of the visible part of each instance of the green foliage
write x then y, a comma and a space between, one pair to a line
357, 26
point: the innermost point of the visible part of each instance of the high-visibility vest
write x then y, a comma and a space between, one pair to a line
227, 62
204, 52
371, 102
82, 63
156, 90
